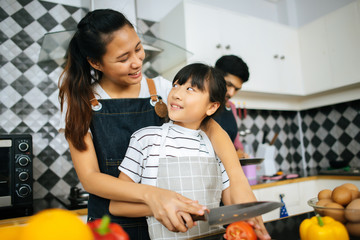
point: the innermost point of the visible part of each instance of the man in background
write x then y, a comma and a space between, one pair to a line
236, 73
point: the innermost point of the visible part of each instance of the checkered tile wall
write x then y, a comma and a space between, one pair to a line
28, 89
330, 132
29, 103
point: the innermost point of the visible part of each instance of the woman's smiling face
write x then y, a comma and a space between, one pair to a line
122, 62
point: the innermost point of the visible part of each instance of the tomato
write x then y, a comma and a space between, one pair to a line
240, 231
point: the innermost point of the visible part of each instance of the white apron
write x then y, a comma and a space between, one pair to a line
195, 177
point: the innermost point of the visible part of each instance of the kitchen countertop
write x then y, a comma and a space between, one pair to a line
41, 204
283, 228
286, 228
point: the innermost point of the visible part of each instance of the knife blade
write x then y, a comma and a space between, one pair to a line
237, 212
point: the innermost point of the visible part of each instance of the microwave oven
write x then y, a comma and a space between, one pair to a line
16, 170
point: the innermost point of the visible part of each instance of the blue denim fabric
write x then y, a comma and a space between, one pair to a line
227, 121
111, 128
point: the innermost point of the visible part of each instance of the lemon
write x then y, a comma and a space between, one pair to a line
56, 224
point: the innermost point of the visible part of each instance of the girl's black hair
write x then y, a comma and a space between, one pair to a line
89, 42
204, 77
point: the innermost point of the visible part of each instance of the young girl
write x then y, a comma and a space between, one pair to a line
102, 89
177, 155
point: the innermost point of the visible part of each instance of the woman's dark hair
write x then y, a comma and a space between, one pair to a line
234, 65
203, 76
89, 42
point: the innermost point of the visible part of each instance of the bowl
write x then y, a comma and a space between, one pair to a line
349, 217
336, 213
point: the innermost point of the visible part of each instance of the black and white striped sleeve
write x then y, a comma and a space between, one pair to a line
224, 176
132, 164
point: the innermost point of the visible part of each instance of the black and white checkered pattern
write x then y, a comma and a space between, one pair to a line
28, 88
330, 132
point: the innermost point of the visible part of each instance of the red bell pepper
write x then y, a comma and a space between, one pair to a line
102, 229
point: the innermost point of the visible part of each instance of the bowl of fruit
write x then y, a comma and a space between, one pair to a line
341, 203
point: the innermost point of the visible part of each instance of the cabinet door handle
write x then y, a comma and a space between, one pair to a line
218, 45
227, 47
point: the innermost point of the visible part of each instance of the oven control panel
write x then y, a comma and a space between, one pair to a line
23, 168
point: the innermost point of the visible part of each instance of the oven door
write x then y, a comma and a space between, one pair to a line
5, 172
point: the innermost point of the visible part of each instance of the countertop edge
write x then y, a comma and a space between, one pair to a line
303, 179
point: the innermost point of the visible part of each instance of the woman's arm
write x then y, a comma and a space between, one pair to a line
128, 209
164, 204
240, 190
225, 150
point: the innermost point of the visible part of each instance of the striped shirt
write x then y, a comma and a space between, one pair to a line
141, 160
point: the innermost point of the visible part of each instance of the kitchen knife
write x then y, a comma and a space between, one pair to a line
237, 212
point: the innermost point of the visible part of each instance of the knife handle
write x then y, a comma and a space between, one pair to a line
198, 217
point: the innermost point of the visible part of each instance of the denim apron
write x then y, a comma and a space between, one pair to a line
113, 123
196, 177
227, 121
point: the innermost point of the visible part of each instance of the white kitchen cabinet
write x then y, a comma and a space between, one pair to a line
203, 32
272, 53
330, 50
320, 65
291, 198
271, 50
297, 194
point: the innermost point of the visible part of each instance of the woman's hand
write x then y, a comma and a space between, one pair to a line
171, 209
259, 227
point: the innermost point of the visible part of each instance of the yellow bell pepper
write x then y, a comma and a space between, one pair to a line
318, 228
10, 232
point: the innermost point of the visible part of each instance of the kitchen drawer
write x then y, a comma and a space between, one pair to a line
291, 198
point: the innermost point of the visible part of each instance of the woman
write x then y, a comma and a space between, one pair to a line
102, 88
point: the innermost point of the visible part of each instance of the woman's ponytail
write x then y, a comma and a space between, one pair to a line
75, 91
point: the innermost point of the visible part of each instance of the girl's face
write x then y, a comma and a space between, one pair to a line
188, 106
122, 62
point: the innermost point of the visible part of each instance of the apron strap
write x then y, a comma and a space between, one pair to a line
164, 132
159, 106
95, 105
152, 89
208, 144
94, 102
